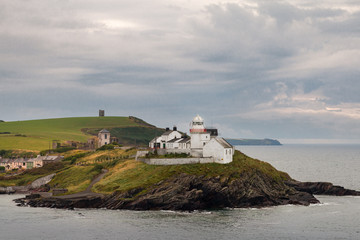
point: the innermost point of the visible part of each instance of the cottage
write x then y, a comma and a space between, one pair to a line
168, 135
28, 163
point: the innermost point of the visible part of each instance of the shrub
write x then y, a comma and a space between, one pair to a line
57, 150
127, 150
97, 168
46, 169
2, 168
75, 157
106, 147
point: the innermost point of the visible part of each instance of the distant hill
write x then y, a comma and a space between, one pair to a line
253, 141
38, 134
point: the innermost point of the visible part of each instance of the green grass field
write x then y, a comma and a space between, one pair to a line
126, 174
130, 174
38, 134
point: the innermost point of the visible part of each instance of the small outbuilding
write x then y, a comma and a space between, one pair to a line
219, 149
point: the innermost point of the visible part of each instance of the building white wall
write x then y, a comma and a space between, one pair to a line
214, 149
172, 135
198, 140
154, 141
104, 138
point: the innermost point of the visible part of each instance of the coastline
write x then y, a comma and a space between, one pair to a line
205, 194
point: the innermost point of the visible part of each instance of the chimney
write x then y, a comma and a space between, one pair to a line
167, 129
174, 128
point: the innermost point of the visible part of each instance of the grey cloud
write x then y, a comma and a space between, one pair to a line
225, 61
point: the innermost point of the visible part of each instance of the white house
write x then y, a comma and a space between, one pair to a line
104, 137
155, 143
161, 141
201, 143
170, 134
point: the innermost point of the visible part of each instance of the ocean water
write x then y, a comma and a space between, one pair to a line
338, 164
334, 218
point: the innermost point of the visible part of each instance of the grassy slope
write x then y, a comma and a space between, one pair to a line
140, 135
29, 176
125, 174
40, 132
129, 174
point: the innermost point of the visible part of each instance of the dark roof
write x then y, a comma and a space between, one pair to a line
185, 140
167, 133
223, 143
173, 140
104, 131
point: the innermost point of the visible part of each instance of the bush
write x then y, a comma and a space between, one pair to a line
20, 135
129, 149
97, 168
75, 157
57, 150
2, 168
46, 169
5, 153
106, 147
16, 154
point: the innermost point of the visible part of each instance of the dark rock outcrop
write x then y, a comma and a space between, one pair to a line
192, 192
321, 188
35, 200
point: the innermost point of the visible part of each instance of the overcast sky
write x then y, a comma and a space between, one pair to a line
253, 69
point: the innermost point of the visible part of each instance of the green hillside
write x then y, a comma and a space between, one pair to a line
37, 134
125, 173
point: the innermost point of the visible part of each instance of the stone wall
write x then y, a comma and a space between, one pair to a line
176, 161
176, 151
140, 154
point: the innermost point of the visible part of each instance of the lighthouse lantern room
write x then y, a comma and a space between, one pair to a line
199, 135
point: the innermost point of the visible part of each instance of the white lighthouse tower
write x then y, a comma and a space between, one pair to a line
199, 136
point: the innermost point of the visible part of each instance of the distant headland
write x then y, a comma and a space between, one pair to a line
243, 141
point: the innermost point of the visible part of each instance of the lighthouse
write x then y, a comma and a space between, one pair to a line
199, 135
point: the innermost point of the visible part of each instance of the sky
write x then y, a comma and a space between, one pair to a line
287, 70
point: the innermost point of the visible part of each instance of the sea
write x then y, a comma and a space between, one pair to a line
333, 218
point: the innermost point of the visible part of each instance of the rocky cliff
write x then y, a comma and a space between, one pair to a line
245, 182
190, 192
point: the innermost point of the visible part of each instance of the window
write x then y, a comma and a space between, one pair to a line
105, 136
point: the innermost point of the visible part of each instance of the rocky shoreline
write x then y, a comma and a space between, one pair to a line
191, 192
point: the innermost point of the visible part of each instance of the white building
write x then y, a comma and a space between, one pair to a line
201, 143
219, 149
104, 137
161, 141
199, 136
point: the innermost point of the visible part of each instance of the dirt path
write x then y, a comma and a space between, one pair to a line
87, 192
97, 179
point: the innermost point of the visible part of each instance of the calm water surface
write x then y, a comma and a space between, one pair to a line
334, 218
